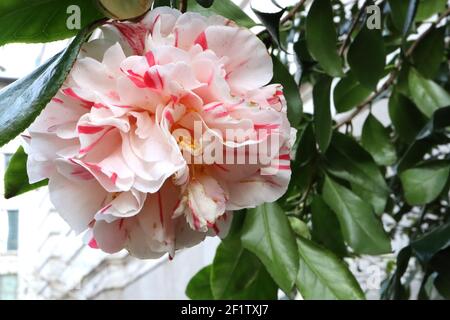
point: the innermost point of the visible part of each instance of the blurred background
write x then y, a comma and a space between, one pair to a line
40, 258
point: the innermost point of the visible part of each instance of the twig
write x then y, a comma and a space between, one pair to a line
183, 5
352, 28
293, 12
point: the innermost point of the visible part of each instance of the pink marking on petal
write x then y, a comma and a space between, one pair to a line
169, 117
266, 126
57, 100
114, 95
222, 114
153, 80
150, 58
202, 41
85, 103
93, 244
285, 156
121, 223
137, 79
89, 129
279, 93
134, 34
284, 167
214, 106
104, 209
177, 37
114, 178
100, 106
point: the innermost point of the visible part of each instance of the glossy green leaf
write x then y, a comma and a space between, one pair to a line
367, 58
349, 93
393, 289
290, 89
432, 242
427, 8
429, 54
423, 184
238, 274
22, 101
267, 234
16, 177
321, 37
199, 287
347, 160
272, 23
323, 276
361, 229
225, 8
326, 229
406, 118
426, 94
42, 20
403, 13
322, 113
375, 139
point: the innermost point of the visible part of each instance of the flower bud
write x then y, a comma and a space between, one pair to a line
120, 10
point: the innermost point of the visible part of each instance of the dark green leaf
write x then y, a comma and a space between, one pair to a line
199, 287
407, 120
205, 3
366, 57
429, 54
225, 8
346, 159
322, 113
426, 94
349, 93
323, 276
431, 243
423, 184
291, 91
16, 177
321, 37
427, 8
22, 101
361, 229
267, 234
272, 23
394, 290
41, 20
238, 274
375, 139
403, 13
326, 229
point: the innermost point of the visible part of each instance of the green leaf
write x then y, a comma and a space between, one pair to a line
299, 227
429, 54
41, 20
321, 37
394, 290
375, 139
323, 276
272, 23
367, 58
238, 274
225, 8
431, 243
267, 234
361, 229
322, 112
426, 94
326, 229
199, 287
403, 13
423, 184
347, 160
405, 117
427, 8
349, 93
16, 177
205, 3
22, 101
290, 89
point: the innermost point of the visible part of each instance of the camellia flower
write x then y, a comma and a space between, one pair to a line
118, 141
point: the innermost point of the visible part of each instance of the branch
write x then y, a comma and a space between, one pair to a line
293, 12
426, 32
183, 5
352, 28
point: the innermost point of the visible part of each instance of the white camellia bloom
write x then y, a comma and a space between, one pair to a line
117, 141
